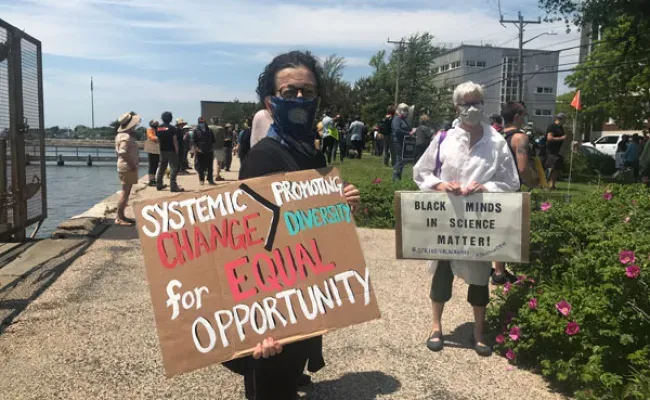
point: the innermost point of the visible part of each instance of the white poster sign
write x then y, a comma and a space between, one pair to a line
480, 227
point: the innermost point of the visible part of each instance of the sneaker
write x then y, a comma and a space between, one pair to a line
201, 183
153, 183
212, 183
177, 190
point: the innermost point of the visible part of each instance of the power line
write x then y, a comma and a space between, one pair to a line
520, 23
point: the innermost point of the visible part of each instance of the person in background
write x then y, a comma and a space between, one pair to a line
357, 136
330, 136
168, 140
153, 151
126, 147
472, 158
228, 144
182, 154
555, 137
187, 144
378, 141
343, 136
261, 123
497, 123
203, 145
632, 155
621, 147
218, 151
386, 130
400, 129
514, 119
319, 135
244, 146
423, 136
291, 83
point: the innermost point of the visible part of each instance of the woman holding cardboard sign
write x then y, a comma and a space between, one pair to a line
470, 158
290, 87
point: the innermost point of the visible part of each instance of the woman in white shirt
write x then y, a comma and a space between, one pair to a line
472, 158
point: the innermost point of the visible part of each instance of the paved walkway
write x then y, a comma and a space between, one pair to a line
91, 335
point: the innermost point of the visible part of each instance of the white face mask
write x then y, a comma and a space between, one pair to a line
471, 115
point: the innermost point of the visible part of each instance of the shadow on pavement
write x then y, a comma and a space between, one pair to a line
117, 232
460, 337
354, 386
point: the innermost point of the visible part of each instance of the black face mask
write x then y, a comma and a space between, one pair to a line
293, 122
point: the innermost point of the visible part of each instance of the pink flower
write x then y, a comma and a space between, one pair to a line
644, 179
500, 339
564, 308
546, 206
507, 287
531, 280
376, 181
633, 271
633, 202
627, 220
572, 328
520, 279
510, 355
514, 333
509, 367
366, 211
626, 257
608, 195
532, 304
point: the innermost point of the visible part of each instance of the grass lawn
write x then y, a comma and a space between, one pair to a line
371, 167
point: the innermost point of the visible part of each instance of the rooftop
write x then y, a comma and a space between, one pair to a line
490, 47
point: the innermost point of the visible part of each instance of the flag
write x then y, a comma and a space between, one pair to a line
576, 103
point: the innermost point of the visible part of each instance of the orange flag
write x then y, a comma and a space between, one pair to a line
576, 103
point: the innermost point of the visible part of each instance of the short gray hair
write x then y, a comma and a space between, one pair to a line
402, 107
466, 88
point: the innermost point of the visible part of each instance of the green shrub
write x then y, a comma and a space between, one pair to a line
586, 166
576, 257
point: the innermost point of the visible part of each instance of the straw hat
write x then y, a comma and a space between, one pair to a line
180, 121
128, 121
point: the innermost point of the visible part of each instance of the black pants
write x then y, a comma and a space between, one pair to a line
204, 164
379, 147
276, 378
154, 160
329, 148
343, 149
358, 146
227, 158
389, 152
419, 150
442, 282
634, 165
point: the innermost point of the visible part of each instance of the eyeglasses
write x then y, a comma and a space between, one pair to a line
290, 92
472, 104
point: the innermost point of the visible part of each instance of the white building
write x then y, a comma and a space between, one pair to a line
496, 68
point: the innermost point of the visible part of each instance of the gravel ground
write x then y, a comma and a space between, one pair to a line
91, 335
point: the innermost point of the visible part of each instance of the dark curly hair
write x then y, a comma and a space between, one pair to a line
293, 59
166, 117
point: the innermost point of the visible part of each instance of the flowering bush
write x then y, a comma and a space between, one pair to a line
579, 310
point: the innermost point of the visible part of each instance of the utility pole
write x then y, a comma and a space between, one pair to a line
399, 67
92, 104
520, 23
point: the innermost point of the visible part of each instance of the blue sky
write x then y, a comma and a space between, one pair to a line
156, 55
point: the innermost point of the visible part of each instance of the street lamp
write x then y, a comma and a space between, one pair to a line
550, 33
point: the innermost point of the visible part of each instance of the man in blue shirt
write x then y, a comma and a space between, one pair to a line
631, 157
400, 128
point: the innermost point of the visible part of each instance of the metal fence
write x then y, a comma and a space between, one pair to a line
23, 199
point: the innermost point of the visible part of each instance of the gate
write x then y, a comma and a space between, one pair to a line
23, 194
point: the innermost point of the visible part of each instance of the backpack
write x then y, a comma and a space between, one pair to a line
438, 169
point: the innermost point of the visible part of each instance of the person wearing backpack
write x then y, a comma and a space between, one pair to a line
470, 158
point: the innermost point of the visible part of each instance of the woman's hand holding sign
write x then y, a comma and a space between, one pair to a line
268, 348
473, 187
353, 195
449, 187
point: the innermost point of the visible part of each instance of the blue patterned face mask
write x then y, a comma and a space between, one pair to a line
294, 118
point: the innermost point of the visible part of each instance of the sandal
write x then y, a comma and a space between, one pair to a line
480, 348
435, 345
122, 222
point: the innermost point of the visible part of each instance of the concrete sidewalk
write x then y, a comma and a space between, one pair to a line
91, 335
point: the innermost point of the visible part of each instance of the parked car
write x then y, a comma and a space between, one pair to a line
606, 144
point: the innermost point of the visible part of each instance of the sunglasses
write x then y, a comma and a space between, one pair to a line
291, 92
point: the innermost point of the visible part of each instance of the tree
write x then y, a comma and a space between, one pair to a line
615, 79
235, 112
598, 12
335, 88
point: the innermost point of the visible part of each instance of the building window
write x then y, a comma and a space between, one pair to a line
470, 63
509, 85
545, 112
480, 63
544, 90
444, 67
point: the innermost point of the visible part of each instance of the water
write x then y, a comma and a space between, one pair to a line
73, 189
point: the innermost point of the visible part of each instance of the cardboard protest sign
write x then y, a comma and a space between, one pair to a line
277, 257
480, 227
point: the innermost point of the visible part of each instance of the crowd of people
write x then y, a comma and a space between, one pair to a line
469, 156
